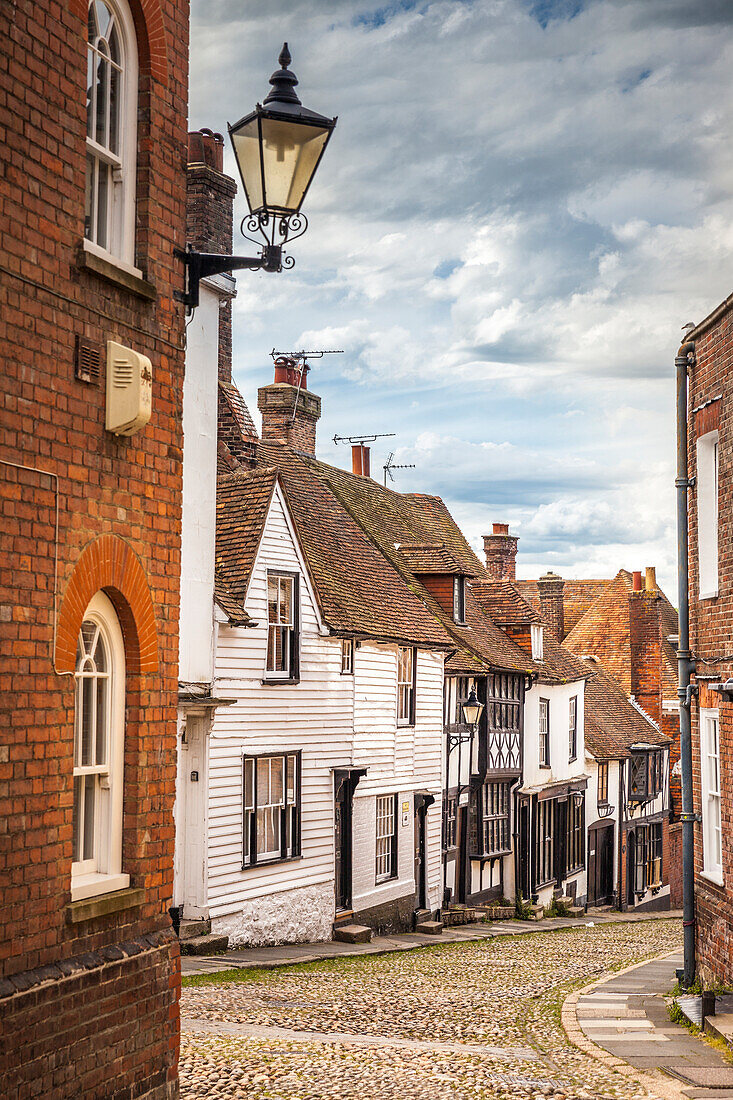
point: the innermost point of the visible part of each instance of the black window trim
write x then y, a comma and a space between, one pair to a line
251, 841
294, 677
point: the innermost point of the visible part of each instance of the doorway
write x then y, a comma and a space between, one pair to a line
420, 854
600, 864
343, 797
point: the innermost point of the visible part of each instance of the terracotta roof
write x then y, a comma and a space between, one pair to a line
578, 596
612, 723
238, 408
603, 632
504, 602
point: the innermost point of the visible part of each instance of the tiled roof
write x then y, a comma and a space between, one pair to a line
577, 597
238, 408
603, 632
359, 591
430, 558
390, 519
504, 602
242, 502
612, 723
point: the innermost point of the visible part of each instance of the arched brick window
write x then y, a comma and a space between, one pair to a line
99, 733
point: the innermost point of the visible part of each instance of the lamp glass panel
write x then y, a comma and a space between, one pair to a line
290, 152
246, 141
472, 712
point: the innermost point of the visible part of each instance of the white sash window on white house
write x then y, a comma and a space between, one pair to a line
712, 838
573, 729
271, 819
544, 732
386, 863
99, 715
405, 686
282, 626
109, 225
707, 515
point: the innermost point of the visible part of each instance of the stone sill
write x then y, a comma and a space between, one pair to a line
88, 261
101, 906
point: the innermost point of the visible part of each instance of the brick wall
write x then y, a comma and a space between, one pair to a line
711, 632
289, 415
645, 641
86, 485
552, 604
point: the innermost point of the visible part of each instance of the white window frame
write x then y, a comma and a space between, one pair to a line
120, 222
543, 733
707, 515
459, 599
347, 656
537, 642
103, 873
572, 728
712, 835
386, 838
406, 686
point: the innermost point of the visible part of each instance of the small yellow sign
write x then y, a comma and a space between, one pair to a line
405, 807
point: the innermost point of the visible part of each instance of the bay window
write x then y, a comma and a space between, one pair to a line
271, 817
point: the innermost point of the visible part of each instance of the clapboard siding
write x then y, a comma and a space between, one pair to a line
333, 720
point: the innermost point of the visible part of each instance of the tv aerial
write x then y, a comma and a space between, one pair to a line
389, 466
298, 360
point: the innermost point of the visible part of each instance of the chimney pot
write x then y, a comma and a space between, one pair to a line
500, 528
206, 147
651, 578
637, 586
360, 460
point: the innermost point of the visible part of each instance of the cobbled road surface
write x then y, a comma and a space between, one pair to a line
461, 1022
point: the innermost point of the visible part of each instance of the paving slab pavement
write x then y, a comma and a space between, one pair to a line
626, 1019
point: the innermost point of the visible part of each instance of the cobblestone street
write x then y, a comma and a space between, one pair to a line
467, 1021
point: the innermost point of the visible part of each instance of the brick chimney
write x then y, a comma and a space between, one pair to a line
209, 212
500, 549
360, 460
289, 411
645, 641
552, 604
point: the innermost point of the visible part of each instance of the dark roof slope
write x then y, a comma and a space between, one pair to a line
242, 501
504, 602
612, 723
430, 559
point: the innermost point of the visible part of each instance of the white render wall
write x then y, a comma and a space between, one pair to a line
336, 721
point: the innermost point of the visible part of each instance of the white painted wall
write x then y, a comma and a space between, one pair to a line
198, 520
337, 721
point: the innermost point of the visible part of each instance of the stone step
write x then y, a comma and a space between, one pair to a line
352, 933
498, 912
576, 911
204, 945
189, 929
430, 927
421, 915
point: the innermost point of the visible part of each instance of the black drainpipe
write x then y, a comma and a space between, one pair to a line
685, 667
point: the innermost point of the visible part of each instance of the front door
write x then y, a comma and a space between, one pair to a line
420, 861
600, 865
342, 840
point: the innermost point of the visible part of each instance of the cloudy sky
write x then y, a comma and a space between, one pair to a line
522, 204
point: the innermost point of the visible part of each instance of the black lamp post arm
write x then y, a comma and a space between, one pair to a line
201, 264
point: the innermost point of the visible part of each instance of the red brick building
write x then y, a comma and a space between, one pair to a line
709, 455
92, 203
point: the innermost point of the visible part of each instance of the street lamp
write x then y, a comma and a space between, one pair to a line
472, 709
278, 148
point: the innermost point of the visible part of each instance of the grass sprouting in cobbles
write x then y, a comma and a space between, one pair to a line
499, 993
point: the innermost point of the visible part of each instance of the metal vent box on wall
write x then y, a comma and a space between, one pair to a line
129, 389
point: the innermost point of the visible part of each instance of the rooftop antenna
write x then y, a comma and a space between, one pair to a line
302, 358
362, 438
389, 466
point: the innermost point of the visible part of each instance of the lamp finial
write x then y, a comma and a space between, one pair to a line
283, 81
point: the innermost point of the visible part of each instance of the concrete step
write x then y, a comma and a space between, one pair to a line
430, 927
352, 933
204, 945
189, 929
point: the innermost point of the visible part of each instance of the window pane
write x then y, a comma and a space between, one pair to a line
114, 45
101, 724
87, 719
104, 17
276, 781
263, 782
290, 783
272, 585
268, 832
78, 812
102, 195
90, 783
102, 74
249, 781
114, 108
286, 599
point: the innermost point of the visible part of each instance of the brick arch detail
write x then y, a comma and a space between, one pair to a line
109, 565
147, 16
